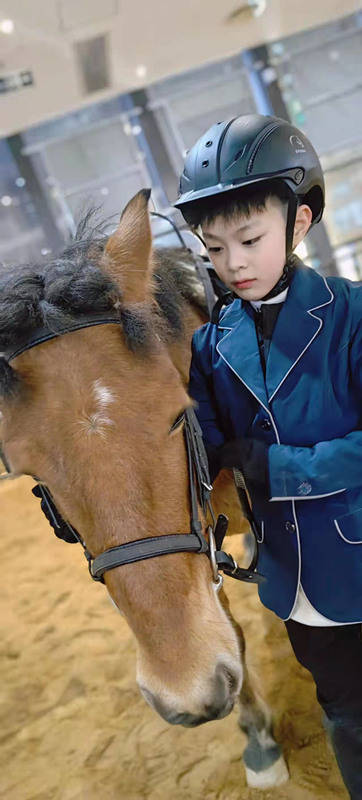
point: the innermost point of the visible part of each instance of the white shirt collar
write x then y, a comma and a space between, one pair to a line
279, 298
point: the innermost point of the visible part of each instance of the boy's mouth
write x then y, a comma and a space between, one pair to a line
244, 284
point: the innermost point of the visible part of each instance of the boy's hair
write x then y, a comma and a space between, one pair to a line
238, 202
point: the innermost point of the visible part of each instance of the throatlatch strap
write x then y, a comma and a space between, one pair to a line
62, 529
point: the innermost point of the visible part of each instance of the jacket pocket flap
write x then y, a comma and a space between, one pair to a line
349, 527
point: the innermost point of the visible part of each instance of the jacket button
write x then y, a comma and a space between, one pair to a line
265, 424
289, 526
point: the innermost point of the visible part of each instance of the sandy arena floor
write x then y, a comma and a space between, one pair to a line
73, 724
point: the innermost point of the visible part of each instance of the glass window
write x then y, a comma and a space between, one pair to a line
110, 197
22, 238
344, 200
91, 155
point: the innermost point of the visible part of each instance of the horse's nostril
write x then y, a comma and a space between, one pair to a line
227, 680
231, 679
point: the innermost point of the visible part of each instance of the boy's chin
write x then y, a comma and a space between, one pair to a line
250, 294
253, 293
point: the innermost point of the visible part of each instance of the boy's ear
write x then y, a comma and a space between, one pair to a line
302, 224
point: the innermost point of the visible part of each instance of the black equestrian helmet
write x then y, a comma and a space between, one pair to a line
248, 150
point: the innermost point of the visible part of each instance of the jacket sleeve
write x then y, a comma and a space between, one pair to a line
330, 466
326, 468
201, 390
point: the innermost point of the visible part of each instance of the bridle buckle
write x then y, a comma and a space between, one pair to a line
236, 565
212, 556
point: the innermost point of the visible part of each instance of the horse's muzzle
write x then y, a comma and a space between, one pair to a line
225, 687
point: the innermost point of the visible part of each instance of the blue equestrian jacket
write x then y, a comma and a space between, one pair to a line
308, 408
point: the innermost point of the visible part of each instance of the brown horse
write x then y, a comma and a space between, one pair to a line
89, 413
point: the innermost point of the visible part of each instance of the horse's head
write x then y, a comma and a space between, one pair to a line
89, 414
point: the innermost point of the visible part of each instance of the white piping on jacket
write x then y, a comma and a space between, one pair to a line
349, 541
266, 409
310, 497
310, 312
299, 562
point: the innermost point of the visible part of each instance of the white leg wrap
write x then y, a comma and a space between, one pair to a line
274, 775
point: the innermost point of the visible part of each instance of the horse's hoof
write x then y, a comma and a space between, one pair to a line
274, 775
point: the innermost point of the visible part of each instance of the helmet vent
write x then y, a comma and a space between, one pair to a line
205, 163
209, 143
260, 141
239, 153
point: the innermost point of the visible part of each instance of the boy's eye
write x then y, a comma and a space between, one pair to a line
249, 242
214, 249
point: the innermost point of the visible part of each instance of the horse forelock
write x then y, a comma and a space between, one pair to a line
73, 283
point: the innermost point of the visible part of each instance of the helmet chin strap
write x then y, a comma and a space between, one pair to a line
288, 270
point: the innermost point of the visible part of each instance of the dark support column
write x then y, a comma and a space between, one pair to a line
269, 100
155, 142
264, 84
53, 235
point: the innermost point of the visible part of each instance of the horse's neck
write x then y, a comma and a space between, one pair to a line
180, 350
224, 496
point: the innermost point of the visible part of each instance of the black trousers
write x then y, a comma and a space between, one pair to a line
333, 655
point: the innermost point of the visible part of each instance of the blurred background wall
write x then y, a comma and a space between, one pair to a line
100, 100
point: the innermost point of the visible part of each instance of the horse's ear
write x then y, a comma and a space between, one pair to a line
128, 252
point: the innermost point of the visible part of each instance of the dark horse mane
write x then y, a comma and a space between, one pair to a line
73, 284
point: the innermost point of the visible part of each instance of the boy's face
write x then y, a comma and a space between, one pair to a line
248, 253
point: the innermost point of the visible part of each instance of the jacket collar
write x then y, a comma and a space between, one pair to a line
299, 322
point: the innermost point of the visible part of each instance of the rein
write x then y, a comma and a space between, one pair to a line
199, 489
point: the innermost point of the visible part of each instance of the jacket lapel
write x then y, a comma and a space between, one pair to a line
299, 322
239, 349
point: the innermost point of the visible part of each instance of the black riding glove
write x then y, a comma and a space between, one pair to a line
248, 455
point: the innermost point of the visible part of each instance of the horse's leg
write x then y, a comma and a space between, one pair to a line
263, 759
264, 762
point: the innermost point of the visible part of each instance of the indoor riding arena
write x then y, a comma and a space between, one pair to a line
74, 724
141, 144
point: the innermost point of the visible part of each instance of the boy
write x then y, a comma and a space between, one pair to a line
278, 386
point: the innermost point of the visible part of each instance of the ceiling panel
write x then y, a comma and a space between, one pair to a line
164, 38
76, 13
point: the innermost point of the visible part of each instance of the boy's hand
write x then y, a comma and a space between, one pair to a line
248, 455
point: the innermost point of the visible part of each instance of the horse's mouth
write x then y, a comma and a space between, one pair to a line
193, 721
185, 718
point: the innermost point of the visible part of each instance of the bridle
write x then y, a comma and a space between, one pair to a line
199, 489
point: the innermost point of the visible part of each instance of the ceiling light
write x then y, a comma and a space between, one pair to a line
6, 26
248, 7
141, 71
6, 200
257, 6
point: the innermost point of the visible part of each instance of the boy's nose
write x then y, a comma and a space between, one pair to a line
236, 266
236, 260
